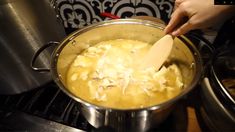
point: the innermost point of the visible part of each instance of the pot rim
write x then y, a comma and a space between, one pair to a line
216, 76
63, 43
222, 88
211, 104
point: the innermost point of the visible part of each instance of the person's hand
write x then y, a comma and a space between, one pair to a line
196, 14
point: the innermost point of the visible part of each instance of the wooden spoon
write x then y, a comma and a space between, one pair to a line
158, 53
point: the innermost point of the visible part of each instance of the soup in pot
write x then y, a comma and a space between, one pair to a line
108, 74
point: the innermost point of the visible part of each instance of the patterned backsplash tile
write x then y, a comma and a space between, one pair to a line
76, 14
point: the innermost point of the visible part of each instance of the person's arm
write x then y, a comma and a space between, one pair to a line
197, 14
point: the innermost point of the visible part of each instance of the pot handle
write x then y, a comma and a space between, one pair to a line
109, 15
38, 52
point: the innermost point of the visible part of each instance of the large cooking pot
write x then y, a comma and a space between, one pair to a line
25, 25
140, 119
217, 107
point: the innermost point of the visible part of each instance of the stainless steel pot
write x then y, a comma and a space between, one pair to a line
25, 25
217, 93
213, 110
184, 54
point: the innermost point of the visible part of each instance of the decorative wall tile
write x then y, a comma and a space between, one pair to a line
76, 14
157, 8
123, 8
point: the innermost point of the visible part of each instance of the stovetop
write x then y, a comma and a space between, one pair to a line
44, 106
48, 109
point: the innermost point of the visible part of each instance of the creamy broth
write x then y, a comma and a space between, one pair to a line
107, 74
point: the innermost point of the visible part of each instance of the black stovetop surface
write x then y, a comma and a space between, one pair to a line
47, 102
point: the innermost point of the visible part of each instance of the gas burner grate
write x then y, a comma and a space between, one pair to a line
47, 102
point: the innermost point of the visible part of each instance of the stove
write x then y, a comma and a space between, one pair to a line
49, 109
44, 108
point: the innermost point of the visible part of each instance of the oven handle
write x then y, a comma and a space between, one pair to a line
38, 52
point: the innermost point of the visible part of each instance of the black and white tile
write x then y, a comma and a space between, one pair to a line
76, 14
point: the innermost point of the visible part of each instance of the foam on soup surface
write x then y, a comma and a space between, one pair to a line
107, 74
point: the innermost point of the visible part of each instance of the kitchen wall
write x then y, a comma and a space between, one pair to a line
76, 14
